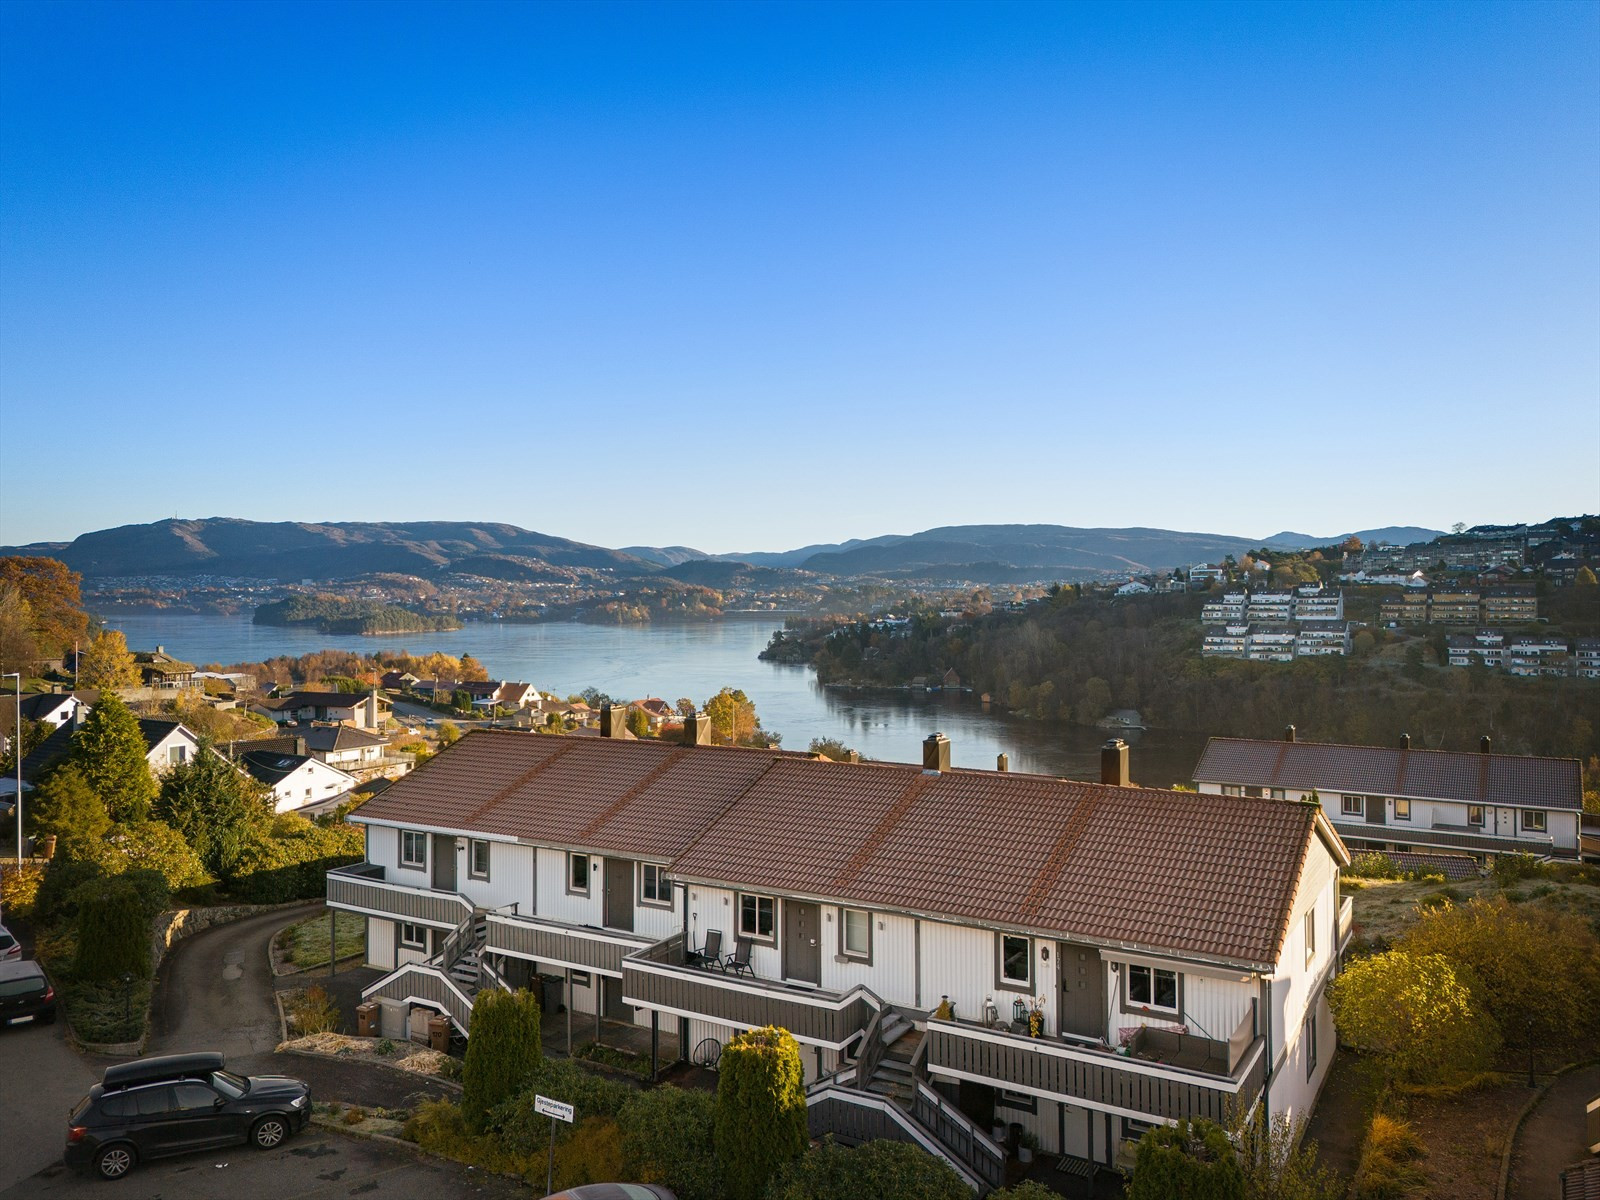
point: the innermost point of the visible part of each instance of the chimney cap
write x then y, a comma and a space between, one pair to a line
1288, 733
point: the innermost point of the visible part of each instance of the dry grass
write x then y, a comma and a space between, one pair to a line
1386, 908
418, 1061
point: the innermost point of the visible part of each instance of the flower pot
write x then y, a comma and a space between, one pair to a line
1024, 1154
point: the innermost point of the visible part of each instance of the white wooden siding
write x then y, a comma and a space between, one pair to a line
380, 944
510, 881
555, 903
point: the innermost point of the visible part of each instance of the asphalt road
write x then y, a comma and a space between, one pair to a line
41, 1078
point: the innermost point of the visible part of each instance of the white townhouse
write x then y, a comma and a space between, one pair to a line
954, 950
1402, 800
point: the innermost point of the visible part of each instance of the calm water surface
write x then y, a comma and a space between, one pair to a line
697, 660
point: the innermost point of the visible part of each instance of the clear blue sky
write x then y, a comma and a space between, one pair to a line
751, 276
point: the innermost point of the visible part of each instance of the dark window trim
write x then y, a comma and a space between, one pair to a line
413, 866
1310, 924
1402, 813
1483, 815
661, 873
581, 979
738, 917
400, 936
1311, 1045
588, 875
855, 956
472, 858
1020, 1101
1527, 817
1360, 808
1148, 1010
1000, 980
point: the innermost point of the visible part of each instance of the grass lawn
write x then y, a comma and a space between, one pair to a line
306, 943
1385, 908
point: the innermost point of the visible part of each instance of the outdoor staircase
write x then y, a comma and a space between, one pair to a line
892, 1074
466, 970
450, 979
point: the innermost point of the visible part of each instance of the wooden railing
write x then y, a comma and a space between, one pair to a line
579, 947
361, 887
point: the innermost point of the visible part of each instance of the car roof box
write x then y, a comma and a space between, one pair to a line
150, 1070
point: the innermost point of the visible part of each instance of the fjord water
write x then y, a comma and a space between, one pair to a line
696, 660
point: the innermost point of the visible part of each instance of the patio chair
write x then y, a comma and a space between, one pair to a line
709, 955
739, 961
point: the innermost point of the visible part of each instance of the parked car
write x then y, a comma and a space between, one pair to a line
26, 993
177, 1103
10, 948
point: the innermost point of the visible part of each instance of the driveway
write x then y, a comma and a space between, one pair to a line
43, 1079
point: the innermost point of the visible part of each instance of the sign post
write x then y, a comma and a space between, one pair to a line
556, 1110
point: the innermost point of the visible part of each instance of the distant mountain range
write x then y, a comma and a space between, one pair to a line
981, 553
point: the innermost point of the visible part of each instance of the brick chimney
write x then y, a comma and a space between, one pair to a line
936, 753
1002, 762
1405, 741
1288, 733
852, 756
1484, 743
613, 721
697, 729
1114, 763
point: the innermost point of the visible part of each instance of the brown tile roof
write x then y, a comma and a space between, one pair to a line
1380, 770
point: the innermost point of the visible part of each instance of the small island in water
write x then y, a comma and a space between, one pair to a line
334, 614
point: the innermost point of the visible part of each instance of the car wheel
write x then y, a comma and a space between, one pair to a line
113, 1162
268, 1132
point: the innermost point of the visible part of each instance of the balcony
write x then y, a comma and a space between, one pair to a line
1173, 1075
361, 888
579, 947
660, 977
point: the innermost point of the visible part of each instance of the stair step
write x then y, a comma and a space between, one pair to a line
894, 1068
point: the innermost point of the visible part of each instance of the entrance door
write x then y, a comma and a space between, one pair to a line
1083, 990
619, 893
802, 941
611, 1000
444, 862
1375, 810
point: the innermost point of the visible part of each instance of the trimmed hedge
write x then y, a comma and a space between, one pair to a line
113, 932
761, 1110
502, 1053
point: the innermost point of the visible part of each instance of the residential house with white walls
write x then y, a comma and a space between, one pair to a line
954, 950
298, 782
1401, 800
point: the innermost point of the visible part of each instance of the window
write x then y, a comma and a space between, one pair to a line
757, 917
1152, 987
1016, 962
478, 862
1311, 1045
1232, 789
413, 849
1351, 806
1254, 793
1279, 794
1020, 1101
1475, 814
1532, 820
1311, 933
177, 754
655, 886
580, 979
195, 1096
153, 1101
1133, 1130
1402, 810
578, 874
855, 933
413, 937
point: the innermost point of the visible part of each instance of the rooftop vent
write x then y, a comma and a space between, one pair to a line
936, 753
1114, 763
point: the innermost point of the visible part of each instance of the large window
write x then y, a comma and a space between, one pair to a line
478, 861
654, 885
413, 849
855, 933
1152, 987
1533, 820
1015, 968
578, 874
758, 918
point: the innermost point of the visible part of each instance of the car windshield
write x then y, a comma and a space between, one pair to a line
21, 987
229, 1084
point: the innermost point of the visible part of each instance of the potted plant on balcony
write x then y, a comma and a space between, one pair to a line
1026, 1145
1036, 1017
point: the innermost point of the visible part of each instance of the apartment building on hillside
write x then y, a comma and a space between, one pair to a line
904, 922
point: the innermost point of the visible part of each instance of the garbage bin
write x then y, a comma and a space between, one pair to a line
439, 1034
368, 1019
550, 998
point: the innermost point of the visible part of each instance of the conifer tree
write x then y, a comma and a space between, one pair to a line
66, 807
503, 1050
110, 752
761, 1110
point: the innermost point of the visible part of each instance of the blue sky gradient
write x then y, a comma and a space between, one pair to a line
752, 276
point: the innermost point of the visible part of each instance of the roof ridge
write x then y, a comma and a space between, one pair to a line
544, 764
880, 832
673, 756
1066, 842
1562, 758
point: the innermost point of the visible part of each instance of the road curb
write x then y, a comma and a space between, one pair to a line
1527, 1111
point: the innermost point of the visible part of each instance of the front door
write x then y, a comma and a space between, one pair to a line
1375, 810
444, 862
619, 893
802, 942
1083, 990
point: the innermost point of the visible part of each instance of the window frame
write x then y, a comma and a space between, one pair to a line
588, 874
1359, 804
1535, 820
1020, 1101
845, 952
1482, 818
1140, 1008
768, 939
663, 896
1402, 808
405, 943
1001, 980
1311, 933
409, 864
1311, 1045
472, 858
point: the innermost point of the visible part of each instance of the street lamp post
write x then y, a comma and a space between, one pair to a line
16, 749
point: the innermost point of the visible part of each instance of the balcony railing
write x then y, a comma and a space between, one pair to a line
1145, 1079
361, 888
579, 947
659, 977
1347, 918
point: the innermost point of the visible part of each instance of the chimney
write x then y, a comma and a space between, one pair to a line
1405, 741
1002, 762
1114, 763
161, 649
613, 721
1484, 743
697, 729
1288, 733
853, 756
300, 746
936, 753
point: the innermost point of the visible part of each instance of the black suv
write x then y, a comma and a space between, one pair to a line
182, 1102
25, 992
